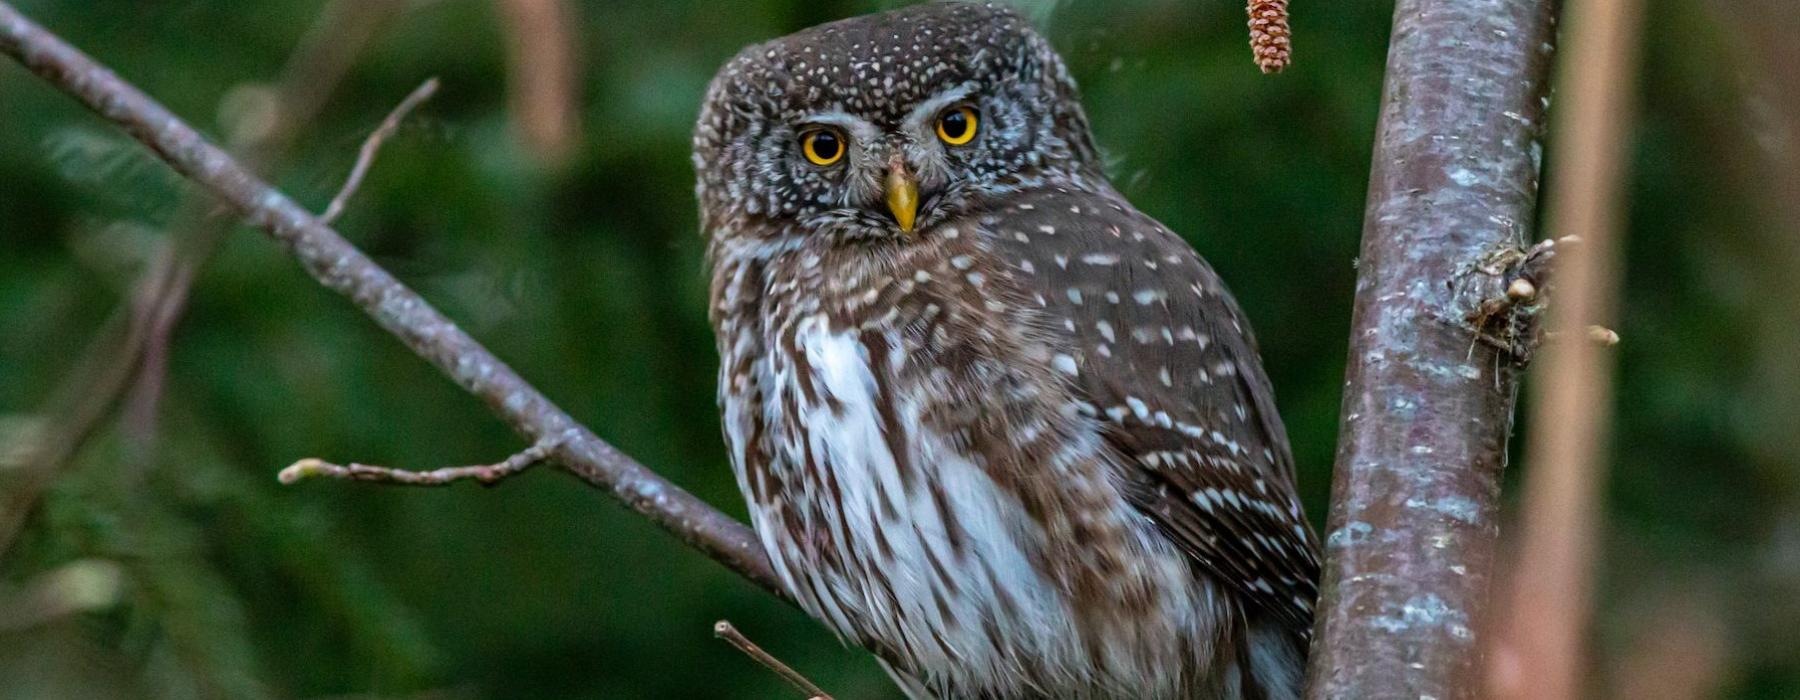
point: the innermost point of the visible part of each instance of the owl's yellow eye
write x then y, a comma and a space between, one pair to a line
822, 146
957, 126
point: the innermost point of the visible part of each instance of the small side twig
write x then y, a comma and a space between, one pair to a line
1595, 334
1270, 44
371, 147
723, 629
487, 474
1507, 321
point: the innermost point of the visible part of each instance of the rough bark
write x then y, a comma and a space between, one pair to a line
1427, 405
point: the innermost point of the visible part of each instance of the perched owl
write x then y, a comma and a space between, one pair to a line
990, 420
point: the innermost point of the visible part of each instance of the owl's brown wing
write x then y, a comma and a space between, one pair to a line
1159, 349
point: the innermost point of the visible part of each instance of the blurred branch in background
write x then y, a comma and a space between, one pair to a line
339, 266
79, 586
542, 75
130, 350
263, 125
1541, 648
1427, 408
1770, 59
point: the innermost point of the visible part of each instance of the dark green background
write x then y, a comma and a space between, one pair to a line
588, 279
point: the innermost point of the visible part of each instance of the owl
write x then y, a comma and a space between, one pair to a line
990, 420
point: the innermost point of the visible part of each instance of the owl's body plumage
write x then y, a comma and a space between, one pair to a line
1025, 447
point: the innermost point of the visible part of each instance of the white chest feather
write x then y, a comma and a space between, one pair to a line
934, 554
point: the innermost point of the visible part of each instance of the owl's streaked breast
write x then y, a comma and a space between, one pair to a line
915, 558
921, 482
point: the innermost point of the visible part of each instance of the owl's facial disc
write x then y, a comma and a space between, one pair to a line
875, 180
893, 178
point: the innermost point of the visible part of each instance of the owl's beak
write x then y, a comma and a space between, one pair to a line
902, 195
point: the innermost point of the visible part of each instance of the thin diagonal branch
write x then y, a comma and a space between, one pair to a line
723, 629
339, 266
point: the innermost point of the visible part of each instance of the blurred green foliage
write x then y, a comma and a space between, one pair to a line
588, 278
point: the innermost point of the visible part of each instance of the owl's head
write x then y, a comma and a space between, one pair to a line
881, 125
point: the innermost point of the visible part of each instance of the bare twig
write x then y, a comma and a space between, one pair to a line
1425, 419
1598, 335
1541, 648
1270, 43
484, 473
365, 158
723, 629
339, 266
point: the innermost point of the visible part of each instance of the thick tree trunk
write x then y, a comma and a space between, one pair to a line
1427, 404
